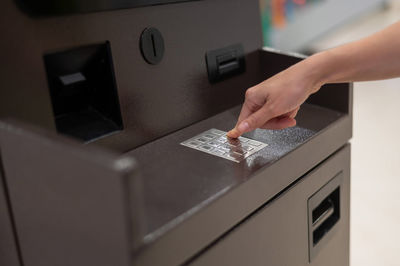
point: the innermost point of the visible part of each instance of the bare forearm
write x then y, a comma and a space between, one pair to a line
273, 104
372, 58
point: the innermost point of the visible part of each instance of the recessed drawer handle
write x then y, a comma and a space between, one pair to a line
325, 210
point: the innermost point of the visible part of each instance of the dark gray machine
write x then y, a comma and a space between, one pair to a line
96, 99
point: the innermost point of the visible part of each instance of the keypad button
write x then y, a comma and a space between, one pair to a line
243, 140
218, 152
227, 146
222, 140
214, 143
255, 143
217, 132
206, 147
240, 151
194, 143
209, 136
247, 148
203, 140
234, 142
237, 148
224, 148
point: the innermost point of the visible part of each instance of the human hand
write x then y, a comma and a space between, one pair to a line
274, 103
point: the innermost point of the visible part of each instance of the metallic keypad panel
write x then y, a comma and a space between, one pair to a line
216, 142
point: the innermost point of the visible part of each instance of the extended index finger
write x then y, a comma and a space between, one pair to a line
248, 108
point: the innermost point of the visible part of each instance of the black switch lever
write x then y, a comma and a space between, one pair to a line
226, 62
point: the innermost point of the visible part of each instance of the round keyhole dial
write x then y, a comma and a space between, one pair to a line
152, 45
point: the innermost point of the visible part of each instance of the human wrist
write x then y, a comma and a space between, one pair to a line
317, 70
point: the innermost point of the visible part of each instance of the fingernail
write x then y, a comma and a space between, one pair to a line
231, 133
243, 127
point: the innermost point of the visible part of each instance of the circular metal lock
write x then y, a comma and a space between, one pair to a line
152, 45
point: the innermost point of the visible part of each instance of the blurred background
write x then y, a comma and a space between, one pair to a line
309, 26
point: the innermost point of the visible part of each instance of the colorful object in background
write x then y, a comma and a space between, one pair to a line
276, 14
300, 2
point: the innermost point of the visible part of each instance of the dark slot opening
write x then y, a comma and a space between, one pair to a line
84, 92
325, 215
154, 45
323, 211
228, 65
227, 58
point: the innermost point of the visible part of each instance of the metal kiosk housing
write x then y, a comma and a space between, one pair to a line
125, 192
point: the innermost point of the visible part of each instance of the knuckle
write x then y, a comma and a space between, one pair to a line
272, 110
252, 106
250, 93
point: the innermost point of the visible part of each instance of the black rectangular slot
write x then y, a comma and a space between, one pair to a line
225, 62
323, 215
84, 92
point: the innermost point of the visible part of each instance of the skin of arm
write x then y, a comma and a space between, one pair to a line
274, 103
